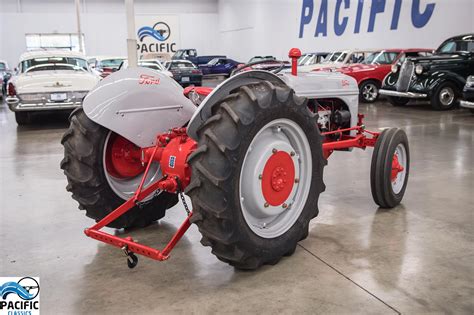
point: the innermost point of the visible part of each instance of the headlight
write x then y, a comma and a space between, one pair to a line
419, 69
470, 81
394, 68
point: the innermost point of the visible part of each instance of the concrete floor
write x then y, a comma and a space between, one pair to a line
416, 258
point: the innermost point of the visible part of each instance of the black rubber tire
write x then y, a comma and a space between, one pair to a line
436, 103
361, 88
23, 118
398, 101
216, 165
381, 167
84, 143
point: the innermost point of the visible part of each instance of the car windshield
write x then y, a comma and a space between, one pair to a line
381, 58
2, 66
182, 64
261, 58
332, 57
459, 45
111, 63
54, 63
149, 65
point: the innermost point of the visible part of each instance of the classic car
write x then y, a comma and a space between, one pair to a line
185, 72
468, 94
371, 72
337, 59
439, 78
309, 59
219, 66
150, 63
192, 55
47, 81
105, 65
3, 75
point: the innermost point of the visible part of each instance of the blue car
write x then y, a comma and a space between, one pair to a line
219, 66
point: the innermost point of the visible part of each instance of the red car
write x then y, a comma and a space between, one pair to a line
371, 72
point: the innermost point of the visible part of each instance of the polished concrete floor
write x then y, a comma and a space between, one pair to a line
416, 258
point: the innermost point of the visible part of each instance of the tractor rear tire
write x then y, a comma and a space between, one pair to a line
387, 189
83, 166
224, 142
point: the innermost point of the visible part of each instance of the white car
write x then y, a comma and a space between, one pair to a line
47, 81
338, 59
151, 64
104, 65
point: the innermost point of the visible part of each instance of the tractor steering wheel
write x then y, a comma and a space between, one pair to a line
277, 69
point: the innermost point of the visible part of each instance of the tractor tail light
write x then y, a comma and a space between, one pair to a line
11, 89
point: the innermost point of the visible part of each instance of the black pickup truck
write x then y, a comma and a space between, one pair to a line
439, 78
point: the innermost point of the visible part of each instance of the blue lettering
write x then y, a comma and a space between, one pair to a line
396, 14
321, 24
360, 7
421, 19
339, 28
308, 6
378, 6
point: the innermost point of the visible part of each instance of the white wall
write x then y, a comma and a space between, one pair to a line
103, 23
238, 28
271, 27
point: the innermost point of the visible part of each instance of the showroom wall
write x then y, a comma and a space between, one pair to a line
273, 26
103, 23
243, 28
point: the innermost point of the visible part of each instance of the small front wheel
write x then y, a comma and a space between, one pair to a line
390, 168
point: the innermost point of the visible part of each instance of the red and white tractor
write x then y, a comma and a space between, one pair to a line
250, 154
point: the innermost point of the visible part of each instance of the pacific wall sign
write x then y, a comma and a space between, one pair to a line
157, 34
315, 20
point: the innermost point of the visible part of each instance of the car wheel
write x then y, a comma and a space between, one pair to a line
445, 96
369, 91
398, 101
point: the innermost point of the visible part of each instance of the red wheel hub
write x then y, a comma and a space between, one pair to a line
396, 167
122, 158
278, 178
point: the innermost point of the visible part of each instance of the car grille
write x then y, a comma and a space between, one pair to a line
404, 78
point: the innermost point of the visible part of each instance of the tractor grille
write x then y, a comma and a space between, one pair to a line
404, 78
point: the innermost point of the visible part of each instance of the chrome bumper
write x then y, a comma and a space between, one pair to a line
403, 94
16, 105
467, 104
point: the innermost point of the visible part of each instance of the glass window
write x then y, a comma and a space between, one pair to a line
111, 63
2, 66
66, 41
181, 64
53, 63
382, 58
466, 44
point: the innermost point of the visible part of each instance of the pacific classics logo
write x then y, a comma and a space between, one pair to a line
19, 297
160, 32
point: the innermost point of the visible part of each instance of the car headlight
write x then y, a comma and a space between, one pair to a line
470, 81
394, 68
419, 69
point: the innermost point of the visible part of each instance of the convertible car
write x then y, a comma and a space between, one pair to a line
49, 81
219, 66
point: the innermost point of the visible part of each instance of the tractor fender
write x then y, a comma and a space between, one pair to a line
204, 110
138, 104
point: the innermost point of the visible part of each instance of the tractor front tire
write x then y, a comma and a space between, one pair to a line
390, 168
84, 145
223, 160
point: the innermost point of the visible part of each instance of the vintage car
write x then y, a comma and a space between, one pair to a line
185, 72
48, 81
439, 78
105, 65
371, 72
468, 94
192, 55
309, 59
337, 59
154, 64
219, 66
3, 75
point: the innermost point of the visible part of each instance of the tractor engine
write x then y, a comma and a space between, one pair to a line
333, 114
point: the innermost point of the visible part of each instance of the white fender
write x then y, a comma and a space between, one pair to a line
138, 104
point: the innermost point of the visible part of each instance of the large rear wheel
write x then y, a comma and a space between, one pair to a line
257, 175
103, 170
